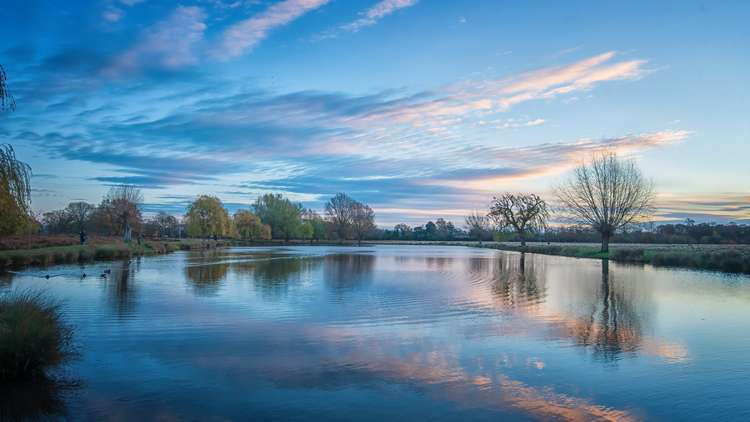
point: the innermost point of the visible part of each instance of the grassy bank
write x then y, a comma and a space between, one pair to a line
704, 257
34, 337
726, 258
115, 249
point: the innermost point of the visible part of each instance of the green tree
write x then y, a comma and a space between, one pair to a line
15, 193
281, 214
306, 231
206, 217
249, 227
319, 225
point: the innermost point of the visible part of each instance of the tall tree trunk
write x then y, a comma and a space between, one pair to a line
605, 242
126, 235
523, 239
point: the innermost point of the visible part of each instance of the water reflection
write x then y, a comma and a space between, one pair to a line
121, 287
613, 326
518, 281
399, 333
272, 274
34, 400
205, 271
603, 315
345, 272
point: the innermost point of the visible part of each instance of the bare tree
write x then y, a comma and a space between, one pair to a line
523, 212
339, 210
80, 213
477, 225
121, 207
606, 194
363, 220
6, 98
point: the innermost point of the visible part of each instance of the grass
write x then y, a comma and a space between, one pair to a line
115, 249
33, 337
726, 258
731, 259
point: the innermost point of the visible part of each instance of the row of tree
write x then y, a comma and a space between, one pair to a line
272, 216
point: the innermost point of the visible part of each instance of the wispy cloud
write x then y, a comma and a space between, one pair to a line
370, 17
377, 12
484, 97
246, 34
396, 150
169, 44
720, 206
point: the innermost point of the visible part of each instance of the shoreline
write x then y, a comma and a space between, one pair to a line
731, 259
72, 254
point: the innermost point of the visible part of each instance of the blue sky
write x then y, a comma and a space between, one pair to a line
421, 108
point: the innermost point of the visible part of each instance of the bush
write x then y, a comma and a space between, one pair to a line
33, 336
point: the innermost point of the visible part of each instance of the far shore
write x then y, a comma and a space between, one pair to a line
51, 250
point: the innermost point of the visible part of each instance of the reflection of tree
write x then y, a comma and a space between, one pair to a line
344, 272
614, 325
39, 399
439, 262
206, 277
121, 288
519, 281
6, 278
272, 274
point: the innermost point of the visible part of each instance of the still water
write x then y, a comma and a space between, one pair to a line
395, 333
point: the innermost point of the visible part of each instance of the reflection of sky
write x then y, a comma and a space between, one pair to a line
428, 332
422, 109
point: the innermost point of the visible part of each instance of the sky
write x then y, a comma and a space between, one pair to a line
420, 108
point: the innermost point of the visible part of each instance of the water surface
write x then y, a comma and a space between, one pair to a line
399, 332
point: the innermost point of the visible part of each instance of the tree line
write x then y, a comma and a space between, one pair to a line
271, 216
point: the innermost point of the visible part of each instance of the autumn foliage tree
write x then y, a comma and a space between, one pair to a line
206, 217
15, 193
249, 227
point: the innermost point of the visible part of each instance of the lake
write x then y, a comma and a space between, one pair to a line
394, 332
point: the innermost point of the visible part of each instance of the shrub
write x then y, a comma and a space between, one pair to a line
33, 336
